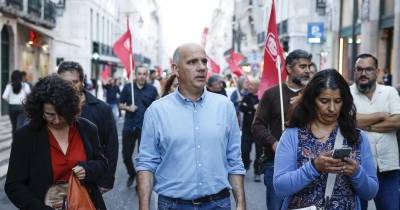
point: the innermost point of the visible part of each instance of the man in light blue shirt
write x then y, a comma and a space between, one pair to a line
190, 149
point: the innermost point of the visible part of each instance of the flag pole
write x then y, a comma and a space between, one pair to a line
130, 61
278, 67
131, 78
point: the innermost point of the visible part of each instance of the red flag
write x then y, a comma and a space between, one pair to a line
236, 57
106, 72
213, 66
235, 68
123, 49
273, 56
204, 37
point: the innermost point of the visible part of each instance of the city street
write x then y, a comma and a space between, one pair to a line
123, 198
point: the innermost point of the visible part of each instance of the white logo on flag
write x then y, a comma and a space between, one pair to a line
271, 47
127, 44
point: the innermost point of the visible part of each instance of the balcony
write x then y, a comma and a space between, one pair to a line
35, 7
50, 11
17, 4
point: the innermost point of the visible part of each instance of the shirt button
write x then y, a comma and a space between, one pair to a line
197, 128
198, 146
199, 164
200, 183
195, 110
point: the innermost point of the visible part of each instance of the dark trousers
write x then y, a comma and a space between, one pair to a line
388, 197
17, 117
128, 146
247, 142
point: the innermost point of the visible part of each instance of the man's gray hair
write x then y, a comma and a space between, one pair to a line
177, 56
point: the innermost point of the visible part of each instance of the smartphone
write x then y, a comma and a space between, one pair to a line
341, 153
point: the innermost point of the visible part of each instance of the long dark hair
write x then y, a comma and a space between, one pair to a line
16, 81
168, 84
304, 112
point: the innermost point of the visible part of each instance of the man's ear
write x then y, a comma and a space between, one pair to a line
175, 70
288, 69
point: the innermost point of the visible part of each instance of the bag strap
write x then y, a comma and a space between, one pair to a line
332, 177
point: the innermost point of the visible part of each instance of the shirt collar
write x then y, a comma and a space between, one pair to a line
89, 98
200, 100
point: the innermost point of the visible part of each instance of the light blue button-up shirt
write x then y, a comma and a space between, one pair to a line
191, 147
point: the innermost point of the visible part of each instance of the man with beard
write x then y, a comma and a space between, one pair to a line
144, 95
266, 128
378, 113
98, 113
190, 148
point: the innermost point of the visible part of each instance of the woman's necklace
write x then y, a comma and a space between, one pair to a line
321, 134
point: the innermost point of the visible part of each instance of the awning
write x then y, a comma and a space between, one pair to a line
37, 28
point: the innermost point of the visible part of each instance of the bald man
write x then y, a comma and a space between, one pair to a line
191, 143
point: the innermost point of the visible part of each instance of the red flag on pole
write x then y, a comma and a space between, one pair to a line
204, 37
237, 58
273, 57
235, 68
214, 66
123, 49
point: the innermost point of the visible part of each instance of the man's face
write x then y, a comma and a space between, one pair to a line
141, 76
216, 86
192, 67
300, 73
365, 74
73, 76
253, 87
153, 76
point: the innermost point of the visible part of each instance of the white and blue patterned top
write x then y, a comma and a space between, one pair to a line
302, 185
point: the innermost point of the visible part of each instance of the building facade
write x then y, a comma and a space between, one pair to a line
85, 33
375, 27
26, 39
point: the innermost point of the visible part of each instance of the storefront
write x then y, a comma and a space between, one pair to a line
34, 51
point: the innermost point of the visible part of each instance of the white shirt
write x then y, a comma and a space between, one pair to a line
383, 145
16, 99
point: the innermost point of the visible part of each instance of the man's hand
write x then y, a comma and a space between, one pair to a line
275, 145
104, 190
324, 163
131, 108
125, 107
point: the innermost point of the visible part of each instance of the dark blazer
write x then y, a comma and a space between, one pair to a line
30, 171
100, 114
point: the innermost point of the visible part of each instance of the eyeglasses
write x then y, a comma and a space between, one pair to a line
50, 116
367, 70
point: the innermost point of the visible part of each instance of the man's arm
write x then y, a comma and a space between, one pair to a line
259, 129
110, 147
145, 181
365, 120
236, 182
390, 124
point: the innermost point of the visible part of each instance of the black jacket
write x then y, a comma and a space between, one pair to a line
101, 115
30, 171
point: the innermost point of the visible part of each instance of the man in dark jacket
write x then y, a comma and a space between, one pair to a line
144, 95
248, 107
101, 115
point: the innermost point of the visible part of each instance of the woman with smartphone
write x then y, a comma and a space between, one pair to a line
304, 160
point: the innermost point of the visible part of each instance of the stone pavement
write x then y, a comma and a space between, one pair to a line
5, 144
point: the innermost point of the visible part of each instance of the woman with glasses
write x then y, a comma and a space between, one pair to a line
53, 146
305, 164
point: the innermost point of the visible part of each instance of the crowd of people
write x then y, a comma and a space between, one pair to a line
194, 137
